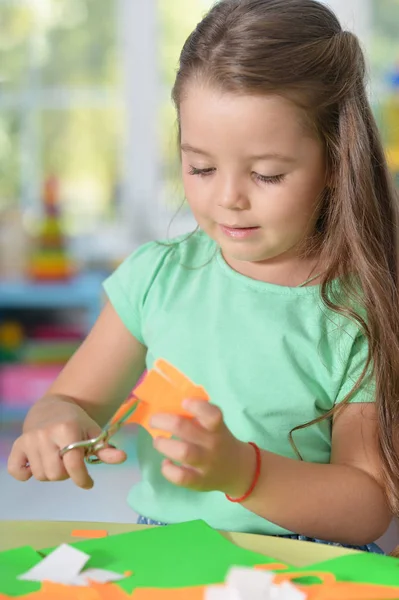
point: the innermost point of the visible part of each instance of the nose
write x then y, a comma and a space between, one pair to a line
232, 195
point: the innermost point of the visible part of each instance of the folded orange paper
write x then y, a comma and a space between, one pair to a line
162, 390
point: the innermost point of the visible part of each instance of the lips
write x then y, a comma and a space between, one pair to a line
239, 226
238, 233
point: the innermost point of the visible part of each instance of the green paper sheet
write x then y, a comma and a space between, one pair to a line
183, 555
14, 563
361, 568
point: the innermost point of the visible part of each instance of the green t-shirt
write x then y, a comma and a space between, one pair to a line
270, 357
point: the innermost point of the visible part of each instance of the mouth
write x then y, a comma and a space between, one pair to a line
238, 232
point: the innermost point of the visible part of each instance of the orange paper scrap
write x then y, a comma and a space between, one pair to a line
89, 533
162, 390
194, 593
331, 589
272, 567
57, 591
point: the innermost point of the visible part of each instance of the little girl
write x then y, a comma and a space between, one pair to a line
283, 305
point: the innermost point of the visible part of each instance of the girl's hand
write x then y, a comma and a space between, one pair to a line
209, 456
36, 453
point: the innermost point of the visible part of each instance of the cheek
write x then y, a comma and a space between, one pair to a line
194, 191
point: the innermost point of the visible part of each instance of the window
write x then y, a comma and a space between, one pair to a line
85, 97
60, 106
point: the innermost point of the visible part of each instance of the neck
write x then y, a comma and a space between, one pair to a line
284, 271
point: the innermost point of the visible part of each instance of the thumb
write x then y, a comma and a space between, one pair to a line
112, 455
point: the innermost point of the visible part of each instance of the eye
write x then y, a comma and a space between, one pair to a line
269, 179
201, 172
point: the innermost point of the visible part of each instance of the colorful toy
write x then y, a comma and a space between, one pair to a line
50, 261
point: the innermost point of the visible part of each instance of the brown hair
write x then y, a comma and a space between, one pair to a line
297, 49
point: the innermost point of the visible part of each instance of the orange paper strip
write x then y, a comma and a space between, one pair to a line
330, 589
197, 593
350, 591
109, 591
271, 567
56, 591
325, 578
89, 533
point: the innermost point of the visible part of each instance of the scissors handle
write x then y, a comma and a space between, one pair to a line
90, 447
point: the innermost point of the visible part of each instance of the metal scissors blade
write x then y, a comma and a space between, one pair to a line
93, 445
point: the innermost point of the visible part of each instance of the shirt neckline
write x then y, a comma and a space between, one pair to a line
263, 286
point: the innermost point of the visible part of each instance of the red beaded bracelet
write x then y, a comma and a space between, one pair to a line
256, 476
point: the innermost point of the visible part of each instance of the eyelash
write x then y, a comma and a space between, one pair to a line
262, 178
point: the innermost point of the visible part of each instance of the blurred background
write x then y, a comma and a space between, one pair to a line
88, 171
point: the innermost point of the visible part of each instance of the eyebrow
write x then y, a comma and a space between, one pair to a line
266, 156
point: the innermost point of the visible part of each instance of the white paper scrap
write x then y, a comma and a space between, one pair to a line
218, 592
249, 583
96, 575
61, 566
287, 591
65, 565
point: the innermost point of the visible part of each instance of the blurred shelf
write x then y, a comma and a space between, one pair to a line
83, 291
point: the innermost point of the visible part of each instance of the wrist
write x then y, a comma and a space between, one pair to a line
243, 467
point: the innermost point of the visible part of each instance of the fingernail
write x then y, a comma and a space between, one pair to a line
186, 403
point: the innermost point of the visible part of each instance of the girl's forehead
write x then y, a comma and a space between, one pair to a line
210, 115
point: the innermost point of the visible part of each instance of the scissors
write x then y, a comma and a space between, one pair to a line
92, 446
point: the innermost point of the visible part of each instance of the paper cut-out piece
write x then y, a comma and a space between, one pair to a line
251, 584
96, 575
362, 567
89, 533
65, 565
159, 557
324, 578
331, 589
272, 567
163, 390
192, 593
109, 591
13, 563
58, 591
351, 591
61, 566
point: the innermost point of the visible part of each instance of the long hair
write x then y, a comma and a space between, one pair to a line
297, 49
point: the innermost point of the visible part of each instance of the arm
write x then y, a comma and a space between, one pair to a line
343, 501
96, 380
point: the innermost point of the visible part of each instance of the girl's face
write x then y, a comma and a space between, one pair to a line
252, 172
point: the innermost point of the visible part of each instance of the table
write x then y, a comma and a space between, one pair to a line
46, 534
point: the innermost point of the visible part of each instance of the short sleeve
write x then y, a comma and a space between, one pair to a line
354, 369
128, 287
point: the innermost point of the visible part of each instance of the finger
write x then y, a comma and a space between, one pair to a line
209, 416
184, 428
18, 465
75, 466
182, 452
36, 464
180, 476
109, 455
53, 465
112, 456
